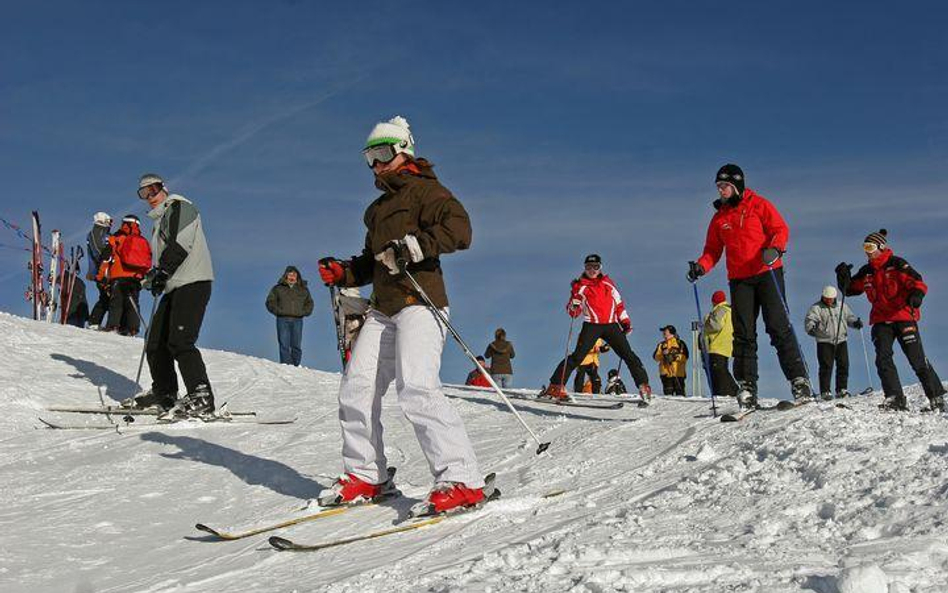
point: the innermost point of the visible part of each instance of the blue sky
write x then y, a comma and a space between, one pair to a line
564, 128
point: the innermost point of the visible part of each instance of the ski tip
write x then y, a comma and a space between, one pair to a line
280, 543
543, 447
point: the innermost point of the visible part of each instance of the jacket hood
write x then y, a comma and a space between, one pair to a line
748, 195
502, 346
395, 180
584, 279
882, 260
300, 281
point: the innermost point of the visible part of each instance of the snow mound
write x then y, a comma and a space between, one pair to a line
660, 499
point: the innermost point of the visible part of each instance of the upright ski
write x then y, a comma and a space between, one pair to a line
55, 249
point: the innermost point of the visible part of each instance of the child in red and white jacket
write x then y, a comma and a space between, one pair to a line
595, 296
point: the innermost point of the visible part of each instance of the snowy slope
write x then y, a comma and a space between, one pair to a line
658, 500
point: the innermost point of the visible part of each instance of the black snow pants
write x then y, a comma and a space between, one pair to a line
122, 316
673, 385
614, 336
591, 371
101, 306
722, 381
906, 332
827, 355
172, 337
751, 297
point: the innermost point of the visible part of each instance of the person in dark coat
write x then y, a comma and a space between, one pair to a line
500, 351
290, 302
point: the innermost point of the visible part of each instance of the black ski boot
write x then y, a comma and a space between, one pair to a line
826, 396
842, 393
895, 403
149, 399
801, 390
199, 404
935, 404
747, 395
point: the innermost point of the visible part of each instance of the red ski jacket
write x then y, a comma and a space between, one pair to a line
888, 280
600, 300
745, 229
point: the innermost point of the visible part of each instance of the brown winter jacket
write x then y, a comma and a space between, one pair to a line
414, 203
500, 352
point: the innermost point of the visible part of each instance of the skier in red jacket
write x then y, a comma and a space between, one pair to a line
895, 291
754, 235
595, 295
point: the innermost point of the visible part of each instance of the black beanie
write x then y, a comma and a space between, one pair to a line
593, 258
732, 174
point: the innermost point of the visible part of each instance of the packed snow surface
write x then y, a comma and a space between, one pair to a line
663, 499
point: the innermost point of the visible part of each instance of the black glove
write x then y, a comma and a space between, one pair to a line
844, 276
694, 271
857, 324
771, 255
155, 281
914, 299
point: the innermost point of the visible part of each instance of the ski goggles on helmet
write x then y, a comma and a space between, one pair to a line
380, 153
149, 191
870, 247
729, 177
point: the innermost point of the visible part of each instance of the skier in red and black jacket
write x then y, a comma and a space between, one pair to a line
595, 295
754, 235
895, 291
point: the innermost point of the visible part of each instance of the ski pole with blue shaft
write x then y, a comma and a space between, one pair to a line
705, 355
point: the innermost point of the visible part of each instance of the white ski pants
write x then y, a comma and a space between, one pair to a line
407, 348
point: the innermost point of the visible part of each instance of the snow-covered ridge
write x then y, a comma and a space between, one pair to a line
662, 499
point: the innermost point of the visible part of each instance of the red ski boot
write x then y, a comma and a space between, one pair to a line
554, 391
450, 495
349, 489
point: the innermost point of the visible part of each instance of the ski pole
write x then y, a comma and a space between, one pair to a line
839, 326
340, 332
865, 353
457, 338
705, 356
141, 361
793, 332
137, 313
569, 340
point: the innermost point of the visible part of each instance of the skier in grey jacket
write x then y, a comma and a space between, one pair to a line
823, 323
182, 274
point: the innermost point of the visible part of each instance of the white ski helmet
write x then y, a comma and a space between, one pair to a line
829, 292
102, 219
150, 179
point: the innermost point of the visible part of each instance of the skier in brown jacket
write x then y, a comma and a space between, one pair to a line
415, 220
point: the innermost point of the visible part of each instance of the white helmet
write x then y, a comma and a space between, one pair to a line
102, 219
829, 292
150, 179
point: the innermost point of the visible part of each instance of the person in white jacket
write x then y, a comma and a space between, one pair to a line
823, 323
182, 275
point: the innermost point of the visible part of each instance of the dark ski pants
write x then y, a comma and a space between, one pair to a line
751, 297
673, 385
906, 332
591, 371
827, 355
122, 316
101, 306
722, 383
614, 336
290, 338
172, 337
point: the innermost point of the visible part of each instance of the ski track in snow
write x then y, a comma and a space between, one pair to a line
661, 499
